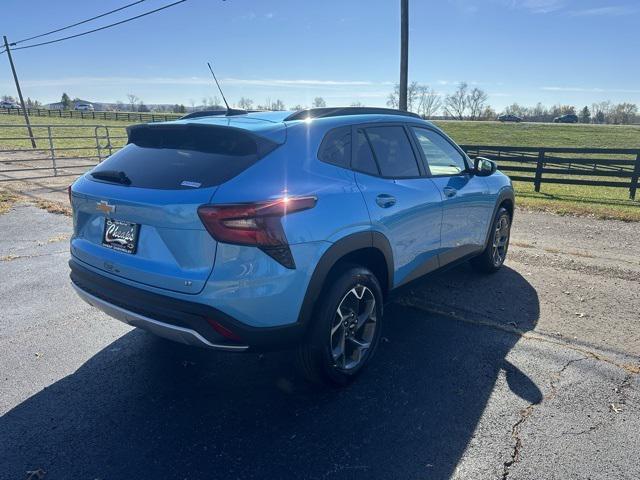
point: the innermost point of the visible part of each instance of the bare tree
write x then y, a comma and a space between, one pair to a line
278, 105
455, 104
211, 103
413, 96
488, 113
539, 113
319, 102
476, 102
392, 99
429, 101
624, 113
133, 100
559, 110
357, 104
515, 109
245, 103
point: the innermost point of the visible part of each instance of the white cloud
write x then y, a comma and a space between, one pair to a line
536, 6
589, 90
264, 82
608, 11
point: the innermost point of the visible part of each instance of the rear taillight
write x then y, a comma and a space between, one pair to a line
256, 224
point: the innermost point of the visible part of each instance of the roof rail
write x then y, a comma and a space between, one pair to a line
340, 111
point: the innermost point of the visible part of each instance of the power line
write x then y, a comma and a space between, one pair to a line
100, 28
76, 24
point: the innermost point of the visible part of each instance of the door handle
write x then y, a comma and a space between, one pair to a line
449, 192
385, 200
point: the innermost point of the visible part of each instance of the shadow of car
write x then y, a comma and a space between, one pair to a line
147, 408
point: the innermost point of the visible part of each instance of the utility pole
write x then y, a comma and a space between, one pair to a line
15, 78
404, 53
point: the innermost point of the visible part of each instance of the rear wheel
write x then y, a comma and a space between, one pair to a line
346, 329
494, 255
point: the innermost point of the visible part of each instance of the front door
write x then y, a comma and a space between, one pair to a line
466, 204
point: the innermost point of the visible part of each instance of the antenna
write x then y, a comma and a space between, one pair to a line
221, 93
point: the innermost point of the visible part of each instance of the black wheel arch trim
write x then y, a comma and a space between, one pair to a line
346, 245
505, 194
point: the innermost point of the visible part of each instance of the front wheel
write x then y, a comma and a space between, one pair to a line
494, 255
346, 329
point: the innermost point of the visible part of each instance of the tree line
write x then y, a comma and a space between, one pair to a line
467, 103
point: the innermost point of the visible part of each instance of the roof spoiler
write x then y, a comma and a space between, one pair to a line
214, 113
341, 111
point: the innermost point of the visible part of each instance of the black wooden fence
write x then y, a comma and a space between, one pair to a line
604, 167
84, 114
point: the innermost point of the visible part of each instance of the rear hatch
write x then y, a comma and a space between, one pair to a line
135, 214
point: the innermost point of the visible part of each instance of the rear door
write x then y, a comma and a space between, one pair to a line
402, 203
136, 214
467, 205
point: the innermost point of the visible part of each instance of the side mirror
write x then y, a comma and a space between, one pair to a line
483, 167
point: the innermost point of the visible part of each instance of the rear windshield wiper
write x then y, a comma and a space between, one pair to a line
112, 176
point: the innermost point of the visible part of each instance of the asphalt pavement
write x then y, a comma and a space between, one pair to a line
477, 377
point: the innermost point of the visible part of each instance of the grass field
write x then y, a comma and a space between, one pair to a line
542, 134
61, 130
599, 202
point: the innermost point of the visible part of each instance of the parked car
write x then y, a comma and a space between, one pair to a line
509, 118
8, 104
568, 118
84, 107
281, 229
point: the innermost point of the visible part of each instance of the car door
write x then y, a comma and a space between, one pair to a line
403, 204
467, 206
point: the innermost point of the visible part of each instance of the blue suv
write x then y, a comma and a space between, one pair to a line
266, 230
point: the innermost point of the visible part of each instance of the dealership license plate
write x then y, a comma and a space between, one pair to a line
121, 236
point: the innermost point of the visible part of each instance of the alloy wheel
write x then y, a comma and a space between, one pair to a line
500, 241
353, 327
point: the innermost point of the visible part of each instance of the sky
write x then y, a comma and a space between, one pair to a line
526, 51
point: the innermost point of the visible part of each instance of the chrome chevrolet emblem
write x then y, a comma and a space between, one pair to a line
105, 208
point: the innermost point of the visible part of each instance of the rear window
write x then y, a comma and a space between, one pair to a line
173, 157
364, 161
336, 147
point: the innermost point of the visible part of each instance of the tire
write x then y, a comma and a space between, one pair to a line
493, 256
319, 358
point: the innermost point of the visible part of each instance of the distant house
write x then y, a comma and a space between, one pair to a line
60, 106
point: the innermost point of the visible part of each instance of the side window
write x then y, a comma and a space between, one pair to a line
393, 152
363, 157
336, 147
442, 157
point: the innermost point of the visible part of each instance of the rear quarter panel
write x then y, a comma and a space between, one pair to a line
248, 284
294, 170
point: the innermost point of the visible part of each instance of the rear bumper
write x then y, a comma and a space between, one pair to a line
176, 319
162, 329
